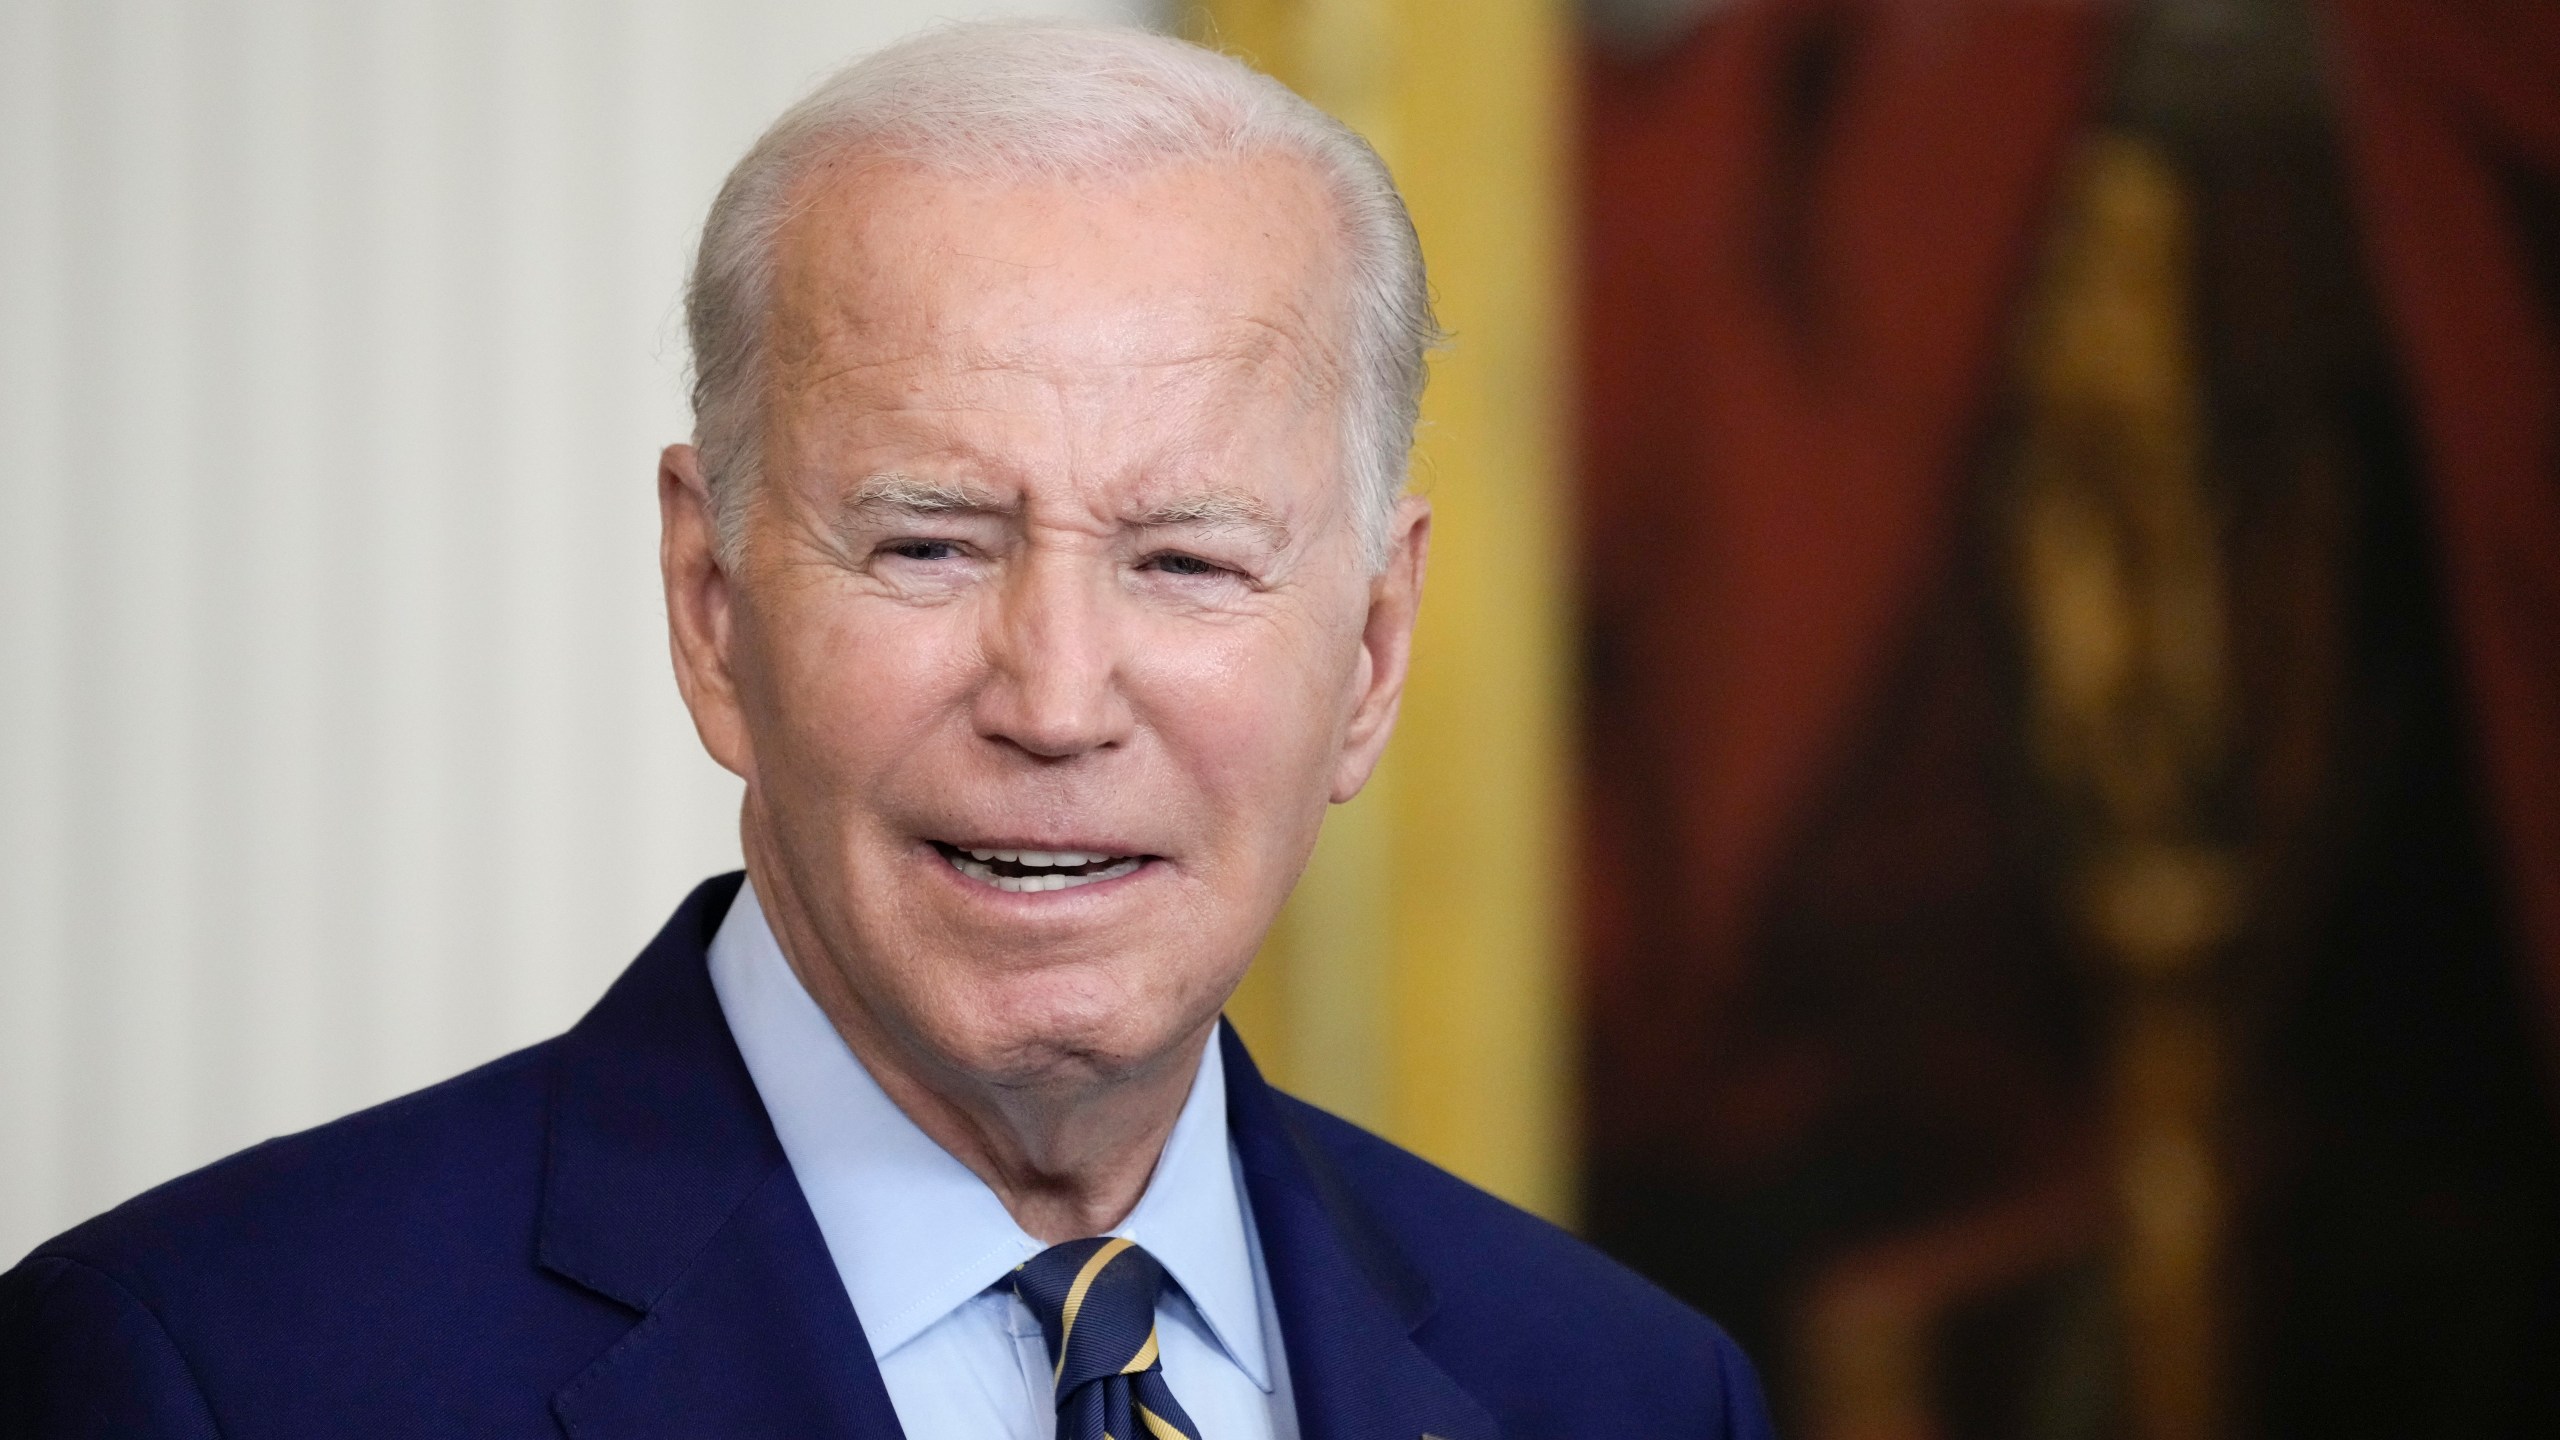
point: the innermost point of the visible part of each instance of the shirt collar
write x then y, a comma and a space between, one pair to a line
914, 1233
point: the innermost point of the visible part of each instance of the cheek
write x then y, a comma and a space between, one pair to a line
1254, 713
852, 685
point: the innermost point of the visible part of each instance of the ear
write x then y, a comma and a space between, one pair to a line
1386, 648
701, 615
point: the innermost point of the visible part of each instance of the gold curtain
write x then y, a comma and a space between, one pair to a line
1418, 982
2122, 580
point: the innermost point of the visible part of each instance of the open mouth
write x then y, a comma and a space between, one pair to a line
1026, 872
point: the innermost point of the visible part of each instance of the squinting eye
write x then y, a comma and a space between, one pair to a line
924, 549
1179, 564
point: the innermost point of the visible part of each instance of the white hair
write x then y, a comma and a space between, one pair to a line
1044, 99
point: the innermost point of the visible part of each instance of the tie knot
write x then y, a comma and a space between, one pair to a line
1096, 1303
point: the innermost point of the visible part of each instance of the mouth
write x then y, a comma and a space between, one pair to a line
1030, 872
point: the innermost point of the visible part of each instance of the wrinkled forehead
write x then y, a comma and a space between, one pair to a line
890, 271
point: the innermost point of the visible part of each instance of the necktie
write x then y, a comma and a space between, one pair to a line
1096, 1303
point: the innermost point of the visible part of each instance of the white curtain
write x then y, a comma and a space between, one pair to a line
338, 748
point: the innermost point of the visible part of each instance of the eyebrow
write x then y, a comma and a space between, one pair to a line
1206, 509
1219, 510
903, 493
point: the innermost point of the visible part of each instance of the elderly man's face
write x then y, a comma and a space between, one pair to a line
1052, 635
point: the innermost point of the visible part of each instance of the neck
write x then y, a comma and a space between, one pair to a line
1068, 1158
1067, 1162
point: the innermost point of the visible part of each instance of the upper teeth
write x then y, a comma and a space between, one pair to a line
1044, 858
974, 863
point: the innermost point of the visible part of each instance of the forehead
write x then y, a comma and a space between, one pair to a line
888, 272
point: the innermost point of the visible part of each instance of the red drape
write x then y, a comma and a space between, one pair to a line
1805, 229
2452, 113
1804, 232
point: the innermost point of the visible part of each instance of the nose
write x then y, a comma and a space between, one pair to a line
1054, 664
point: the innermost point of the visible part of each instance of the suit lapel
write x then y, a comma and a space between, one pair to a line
667, 1193
1348, 1302
754, 1338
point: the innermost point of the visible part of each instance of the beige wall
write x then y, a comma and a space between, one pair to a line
337, 747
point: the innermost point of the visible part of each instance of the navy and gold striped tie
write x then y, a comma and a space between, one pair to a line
1096, 1303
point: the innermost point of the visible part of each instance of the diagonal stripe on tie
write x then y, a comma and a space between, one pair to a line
1096, 1303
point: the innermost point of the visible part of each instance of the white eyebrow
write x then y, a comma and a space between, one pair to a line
893, 491
1208, 509
1218, 510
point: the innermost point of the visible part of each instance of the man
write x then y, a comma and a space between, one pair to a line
1043, 567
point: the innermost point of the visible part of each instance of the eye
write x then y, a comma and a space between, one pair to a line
923, 549
1174, 562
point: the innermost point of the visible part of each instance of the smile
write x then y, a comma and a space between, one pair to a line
1027, 872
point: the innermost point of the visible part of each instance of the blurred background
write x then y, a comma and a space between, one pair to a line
1981, 792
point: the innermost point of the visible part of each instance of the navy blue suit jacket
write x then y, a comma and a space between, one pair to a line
600, 1237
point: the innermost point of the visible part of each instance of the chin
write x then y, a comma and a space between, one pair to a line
1075, 1028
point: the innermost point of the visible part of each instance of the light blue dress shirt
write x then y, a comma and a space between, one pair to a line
923, 1246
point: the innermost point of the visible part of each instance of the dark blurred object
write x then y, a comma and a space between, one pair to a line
2453, 111
1851, 1003
1636, 29
2406, 1251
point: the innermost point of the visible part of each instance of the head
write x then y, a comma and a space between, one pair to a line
1042, 561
